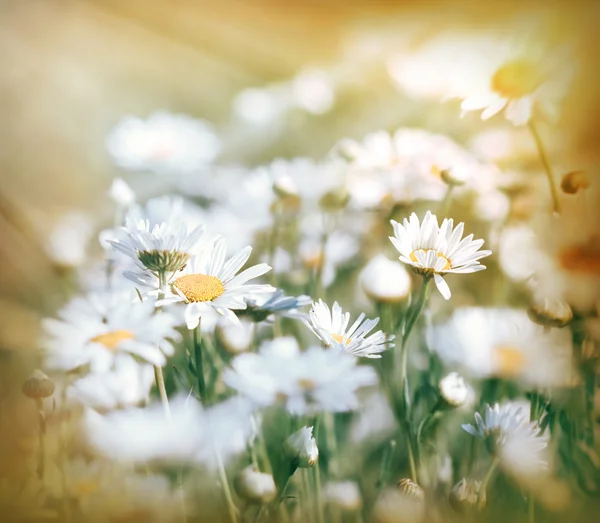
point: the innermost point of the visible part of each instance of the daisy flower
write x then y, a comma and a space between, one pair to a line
164, 143
95, 329
159, 236
208, 282
331, 327
196, 434
264, 306
519, 81
385, 281
503, 343
432, 250
127, 384
306, 382
501, 422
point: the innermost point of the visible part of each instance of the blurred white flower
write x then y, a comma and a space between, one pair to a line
432, 250
164, 143
67, 242
504, 343
96, 328
260, 106
404, 167
121, 194
385, 281
374, 420
304, 382
235, 337
344, 495
312, 90
254, 486
159, 237
208, 282
331, 327
194, 434
519, 82
127, 384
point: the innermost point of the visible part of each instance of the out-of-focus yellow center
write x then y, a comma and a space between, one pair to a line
516, 79
199, 287
510, 361
583, 259
112, 339
447, 265
340, 339
85, 487
306, 384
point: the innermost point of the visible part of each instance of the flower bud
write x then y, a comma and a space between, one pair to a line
411, 489
385, 281
301, 446
335, 199
574, 181
38, 386
454, 390
453, 176
120, 193
345, 495
254, 486
465, 496
235, 338
550, 312
284, 187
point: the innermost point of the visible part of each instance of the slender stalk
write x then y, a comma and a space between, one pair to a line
413, 316
162, 390
318, 494
331, 441
318, 283
386, 463
231, 508
487, 479
199, 365
308, 503
41, 433
547, 167
273, 238
531, 509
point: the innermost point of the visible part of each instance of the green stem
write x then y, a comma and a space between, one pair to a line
412, 317
231, 508
199, 365
487, 479
531, 509
547, 167
162, 390
386, 463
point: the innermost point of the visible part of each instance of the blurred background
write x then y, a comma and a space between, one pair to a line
275, 79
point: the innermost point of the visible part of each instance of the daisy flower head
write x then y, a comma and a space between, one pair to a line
504, 343
264, 306
164, 143
210, 282
331, 327
159, 237
519, 82
501, 422
97, 328
305, 382
432, 250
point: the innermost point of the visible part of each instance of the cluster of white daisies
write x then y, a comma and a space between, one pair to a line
191, 362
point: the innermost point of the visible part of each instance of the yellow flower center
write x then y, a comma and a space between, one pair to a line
509, 360
112, 339
85, 487
199, 287
340, 339
516, 79
582, 258
447, 265
306, 384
